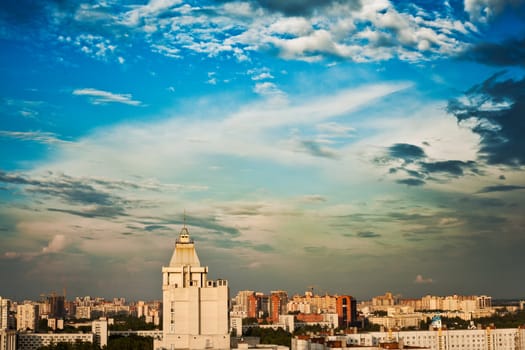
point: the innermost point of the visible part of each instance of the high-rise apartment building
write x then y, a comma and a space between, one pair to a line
278, 303
195, 309
27, 317
346, 310
253, 306
56, 306
4, 313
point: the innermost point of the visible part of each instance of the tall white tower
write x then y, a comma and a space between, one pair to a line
195, 309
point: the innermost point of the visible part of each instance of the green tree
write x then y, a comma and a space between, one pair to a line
270, 336
249, 320
71, 346
133, 342
125, 323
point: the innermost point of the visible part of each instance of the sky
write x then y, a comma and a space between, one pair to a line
351, 146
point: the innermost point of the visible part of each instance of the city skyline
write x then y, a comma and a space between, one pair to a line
358, 146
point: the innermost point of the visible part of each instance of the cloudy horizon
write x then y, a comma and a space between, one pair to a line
355, 146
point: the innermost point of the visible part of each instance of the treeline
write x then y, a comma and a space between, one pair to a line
270, 336
126, 323
70, 346
133, 342
506, 320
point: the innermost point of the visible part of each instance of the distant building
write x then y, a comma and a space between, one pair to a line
83, 312
55, 323
314, 304
195, 309
241, 301
56, 306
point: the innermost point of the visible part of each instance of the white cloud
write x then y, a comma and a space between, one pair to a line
152, 8
297, 26
268, 89
376, 31
262, 76
57, 244
333, 129
484, 10
103, 97
422, 280
166, 50
96, 46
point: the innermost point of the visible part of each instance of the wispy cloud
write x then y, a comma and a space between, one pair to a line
36, 136
103, 97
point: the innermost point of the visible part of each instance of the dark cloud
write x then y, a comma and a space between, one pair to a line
97, 212
208, 223
411, 182
452, 167
315, 149
507, 53
71, 190
315, 250
498, 108
304, 7
485, 202
500, 188
368, 234
233, 244
263, 247
407, 152
406, 217
415, 173
33, 14
155, 227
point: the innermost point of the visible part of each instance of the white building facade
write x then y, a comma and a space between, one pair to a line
33, 341
486, 339
195, 309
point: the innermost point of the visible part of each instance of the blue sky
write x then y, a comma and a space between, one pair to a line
358, 146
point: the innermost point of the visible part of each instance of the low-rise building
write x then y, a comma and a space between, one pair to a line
491, 339
7, 339
33, 341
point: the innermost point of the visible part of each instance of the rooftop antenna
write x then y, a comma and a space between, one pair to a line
184, 219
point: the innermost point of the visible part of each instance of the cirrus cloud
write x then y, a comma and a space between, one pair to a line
99, 97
